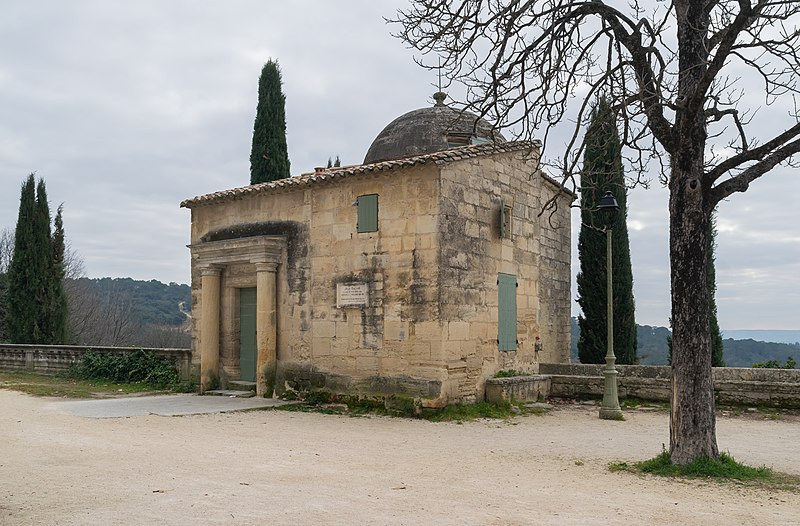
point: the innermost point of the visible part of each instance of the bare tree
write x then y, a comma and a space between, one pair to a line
6, 248
6, 251
83, 311
101, 317
679, 74
163, 337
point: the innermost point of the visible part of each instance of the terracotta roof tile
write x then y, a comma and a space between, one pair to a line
332, 174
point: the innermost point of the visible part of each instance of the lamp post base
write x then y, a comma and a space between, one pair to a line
610, 409
611, 414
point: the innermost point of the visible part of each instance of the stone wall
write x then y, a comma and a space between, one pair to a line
53, 359
395, 340
776, 387
473, 254
431, 268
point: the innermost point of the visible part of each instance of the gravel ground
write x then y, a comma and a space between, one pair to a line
277, 467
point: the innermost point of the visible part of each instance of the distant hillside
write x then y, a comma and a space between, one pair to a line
652, 347
152, 302
763, 336
744, 353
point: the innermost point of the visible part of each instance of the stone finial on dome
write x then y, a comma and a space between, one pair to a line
439, 97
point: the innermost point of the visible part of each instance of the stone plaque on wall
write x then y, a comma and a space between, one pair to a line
351, 295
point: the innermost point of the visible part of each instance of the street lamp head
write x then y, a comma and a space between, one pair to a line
608, 204
608, 207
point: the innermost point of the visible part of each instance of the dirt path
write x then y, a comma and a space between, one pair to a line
274, 467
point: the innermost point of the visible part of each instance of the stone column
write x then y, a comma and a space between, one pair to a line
209, 328
266, 328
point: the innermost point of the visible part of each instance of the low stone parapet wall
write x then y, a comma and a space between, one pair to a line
519, 388
53, 359
776, 387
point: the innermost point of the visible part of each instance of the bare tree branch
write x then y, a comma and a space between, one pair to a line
741, 182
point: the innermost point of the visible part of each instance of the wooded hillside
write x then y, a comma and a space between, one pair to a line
652, 348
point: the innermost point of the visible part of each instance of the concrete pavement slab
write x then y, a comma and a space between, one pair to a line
163, 405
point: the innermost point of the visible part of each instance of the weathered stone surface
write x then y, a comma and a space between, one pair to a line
427, 130
429, 327
776, 387
519, 388
56, 359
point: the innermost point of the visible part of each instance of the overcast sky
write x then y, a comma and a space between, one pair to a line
127, 108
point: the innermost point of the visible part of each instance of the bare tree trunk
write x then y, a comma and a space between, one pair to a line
692, 427
692, 411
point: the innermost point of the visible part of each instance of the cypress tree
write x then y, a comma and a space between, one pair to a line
58, 299
3, 307
717, 359
35, 303
269, 156
602, 172
24, 275
44, 260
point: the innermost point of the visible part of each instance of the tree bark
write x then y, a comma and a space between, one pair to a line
692, 413
692, 417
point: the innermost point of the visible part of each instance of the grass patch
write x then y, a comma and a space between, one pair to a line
65, 387
470, 412
724, 469
319, 402
638, 403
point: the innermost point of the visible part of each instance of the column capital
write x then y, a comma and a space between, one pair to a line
210, 270
266, 266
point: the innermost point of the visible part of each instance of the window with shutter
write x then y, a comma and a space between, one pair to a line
367, 213
507, 312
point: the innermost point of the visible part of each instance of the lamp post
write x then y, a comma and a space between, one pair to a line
610, 409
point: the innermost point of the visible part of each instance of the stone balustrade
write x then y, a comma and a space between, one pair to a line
773, 387
52, 359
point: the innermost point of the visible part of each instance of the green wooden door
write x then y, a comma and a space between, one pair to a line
247, 334
507, 312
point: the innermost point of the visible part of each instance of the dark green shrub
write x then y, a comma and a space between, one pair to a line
507, 373
775, 364
132, 367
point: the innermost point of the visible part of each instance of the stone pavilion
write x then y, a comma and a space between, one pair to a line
441, 260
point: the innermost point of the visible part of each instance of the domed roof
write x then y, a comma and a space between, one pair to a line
429, 130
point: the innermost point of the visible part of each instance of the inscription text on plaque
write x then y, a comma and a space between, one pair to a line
351, 295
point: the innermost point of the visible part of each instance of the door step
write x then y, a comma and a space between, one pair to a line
234, 393
242, 385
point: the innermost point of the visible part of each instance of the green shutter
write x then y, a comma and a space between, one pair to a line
507, 312
367, 213
247, 334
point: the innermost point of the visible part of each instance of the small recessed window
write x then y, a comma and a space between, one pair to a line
367, 213
505, 220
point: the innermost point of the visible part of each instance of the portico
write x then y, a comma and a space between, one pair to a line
216, 261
